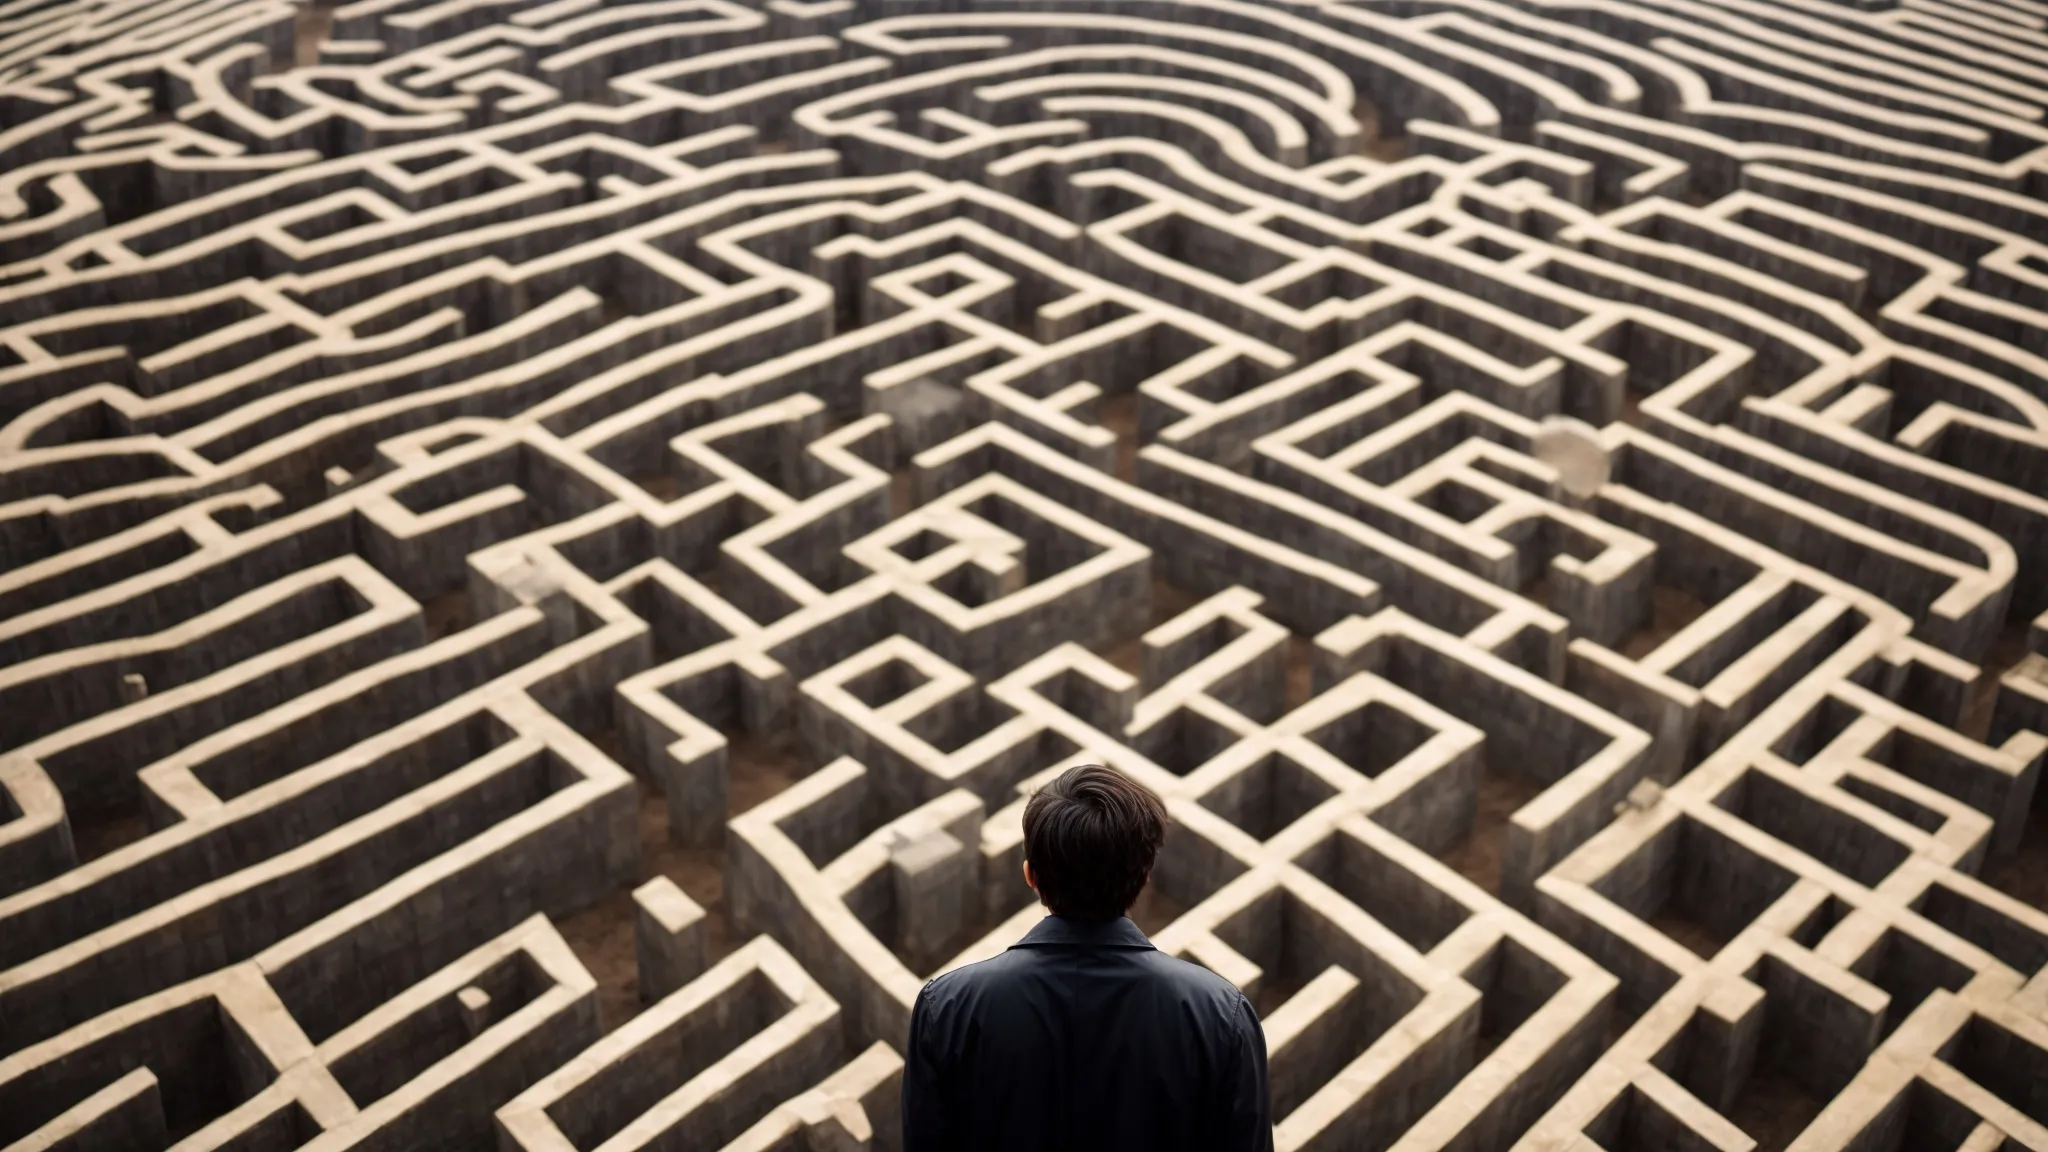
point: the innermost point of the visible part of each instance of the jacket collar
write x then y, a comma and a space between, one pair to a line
1056, 931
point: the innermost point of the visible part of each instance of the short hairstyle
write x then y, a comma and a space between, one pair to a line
1091, 837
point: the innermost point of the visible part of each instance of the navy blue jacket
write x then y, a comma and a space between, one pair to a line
1084, 1036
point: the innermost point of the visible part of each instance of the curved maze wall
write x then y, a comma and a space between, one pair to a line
542, 545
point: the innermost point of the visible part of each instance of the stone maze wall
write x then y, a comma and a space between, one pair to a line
543, 544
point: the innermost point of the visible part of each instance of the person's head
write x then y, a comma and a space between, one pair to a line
1089, 841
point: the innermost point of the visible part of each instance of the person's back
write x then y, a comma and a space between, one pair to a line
1082, 1035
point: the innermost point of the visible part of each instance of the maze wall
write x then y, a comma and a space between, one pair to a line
543, 544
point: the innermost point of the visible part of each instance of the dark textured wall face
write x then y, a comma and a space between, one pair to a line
544, 543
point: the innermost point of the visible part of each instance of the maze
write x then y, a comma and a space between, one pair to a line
544, 543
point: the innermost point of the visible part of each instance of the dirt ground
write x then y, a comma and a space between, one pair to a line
602, 935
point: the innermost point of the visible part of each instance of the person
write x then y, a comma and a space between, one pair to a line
1082, 1035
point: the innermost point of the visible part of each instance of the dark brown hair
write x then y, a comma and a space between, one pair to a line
1091, 837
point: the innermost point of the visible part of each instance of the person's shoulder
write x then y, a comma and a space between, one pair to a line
1195, 982
969, 978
